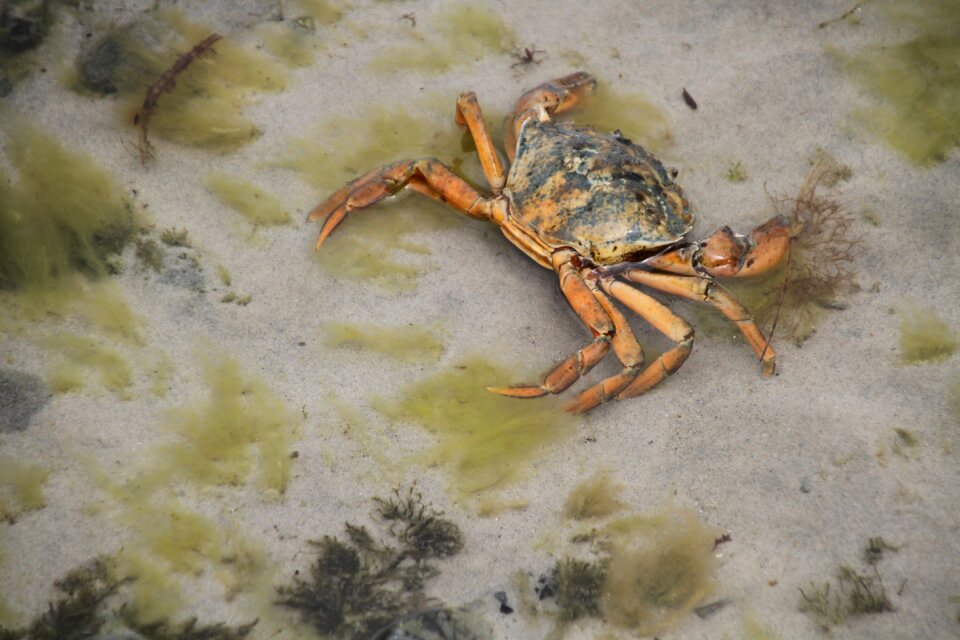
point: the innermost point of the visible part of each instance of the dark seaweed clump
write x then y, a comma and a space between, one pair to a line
77, 611
84, 609
360, 584
579, 585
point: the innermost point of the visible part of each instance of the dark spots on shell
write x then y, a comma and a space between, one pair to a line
750, 262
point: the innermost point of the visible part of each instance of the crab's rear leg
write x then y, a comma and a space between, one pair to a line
628, 351
592, 314
702, 289
428, 176
662, 319
546, 100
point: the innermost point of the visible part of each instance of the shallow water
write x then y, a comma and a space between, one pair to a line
198, 395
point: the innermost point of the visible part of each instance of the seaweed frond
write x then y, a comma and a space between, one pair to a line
190, 630
77, 612
83, 610
359, 584
164, 84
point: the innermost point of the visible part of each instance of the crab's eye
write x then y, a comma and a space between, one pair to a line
673, 171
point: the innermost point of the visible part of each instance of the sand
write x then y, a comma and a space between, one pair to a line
800, 469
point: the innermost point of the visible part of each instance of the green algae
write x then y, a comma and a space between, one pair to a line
924, 337
365, 246
240, 427
610, 109
345, 147
255, 205
753, 629
61, 214
644, 572
174, 237
63, 224
149, 253
595, 497
410, 344
77, 357
21, 488
736, 173
916, 81
372, 245
458, 34
322, 12
292, 45
661, 567
484, 439
160, 370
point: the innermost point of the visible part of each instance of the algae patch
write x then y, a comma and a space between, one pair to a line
924, 338
457, 34
254, 204
485, 439
60, 215
596, 497
78, 356
917, 81
373, 245
291, 42
410, 344
21, 488
661, 567
352, 146
632, 114
643, 573
240, 427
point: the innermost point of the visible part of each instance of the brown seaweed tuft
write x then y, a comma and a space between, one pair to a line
164, 84
820, 268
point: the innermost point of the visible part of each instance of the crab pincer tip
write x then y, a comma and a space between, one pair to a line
519, 392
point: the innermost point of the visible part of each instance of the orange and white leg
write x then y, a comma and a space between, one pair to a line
428, 176
662, 319
470, 116
702, 289
628, 351
592, 314
548, 99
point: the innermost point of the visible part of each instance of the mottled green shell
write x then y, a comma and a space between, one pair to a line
596, 192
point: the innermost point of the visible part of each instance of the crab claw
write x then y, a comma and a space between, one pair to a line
726, 254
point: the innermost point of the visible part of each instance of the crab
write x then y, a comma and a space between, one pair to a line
603, 214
